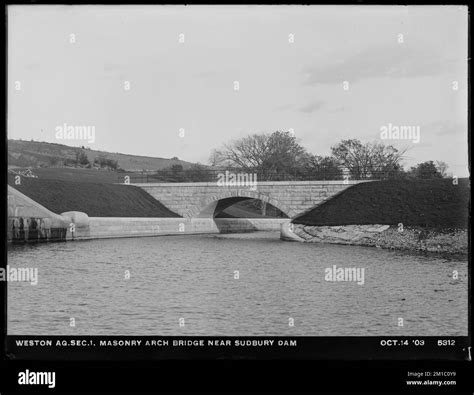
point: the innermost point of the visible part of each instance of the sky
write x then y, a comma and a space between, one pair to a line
162, 80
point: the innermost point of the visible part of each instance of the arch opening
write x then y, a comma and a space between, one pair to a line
235, 205
246, 208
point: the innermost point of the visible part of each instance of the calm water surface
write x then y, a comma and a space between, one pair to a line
192, 277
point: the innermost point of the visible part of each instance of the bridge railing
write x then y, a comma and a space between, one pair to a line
214, 175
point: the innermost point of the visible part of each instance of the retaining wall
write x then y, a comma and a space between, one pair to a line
139, 227
30, 221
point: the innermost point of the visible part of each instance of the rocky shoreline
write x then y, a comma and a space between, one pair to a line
416, 239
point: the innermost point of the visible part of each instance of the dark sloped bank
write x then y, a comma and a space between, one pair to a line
94, 199
422, 215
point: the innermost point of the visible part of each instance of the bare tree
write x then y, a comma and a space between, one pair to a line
370, 160
276, 154
442, 168
248, 152
322, 168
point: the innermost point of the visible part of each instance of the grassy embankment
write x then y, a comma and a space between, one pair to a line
94, 199
434, 215
77, 175
427, 203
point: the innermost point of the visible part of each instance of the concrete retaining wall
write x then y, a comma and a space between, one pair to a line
30, 221
139, 227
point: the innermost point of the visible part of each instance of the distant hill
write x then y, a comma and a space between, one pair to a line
41, 154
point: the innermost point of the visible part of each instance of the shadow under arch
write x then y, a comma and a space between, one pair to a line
216, 204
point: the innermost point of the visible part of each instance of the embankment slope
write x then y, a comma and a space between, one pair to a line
426, 203
94, 199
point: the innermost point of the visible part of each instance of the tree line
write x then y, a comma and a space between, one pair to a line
279, 156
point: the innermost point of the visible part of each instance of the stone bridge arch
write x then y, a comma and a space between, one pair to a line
291, 197
206, 207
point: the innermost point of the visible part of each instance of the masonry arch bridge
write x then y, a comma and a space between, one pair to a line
207, 199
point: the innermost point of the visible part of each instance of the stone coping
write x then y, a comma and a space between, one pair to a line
262, 183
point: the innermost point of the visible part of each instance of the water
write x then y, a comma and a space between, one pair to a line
192, 277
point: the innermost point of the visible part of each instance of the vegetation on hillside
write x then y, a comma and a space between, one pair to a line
37, 154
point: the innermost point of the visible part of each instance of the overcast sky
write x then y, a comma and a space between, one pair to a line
400, 63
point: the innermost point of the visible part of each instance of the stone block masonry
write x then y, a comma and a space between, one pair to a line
199, 199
